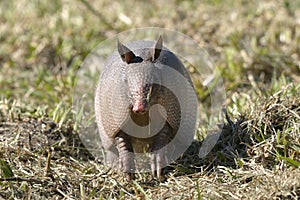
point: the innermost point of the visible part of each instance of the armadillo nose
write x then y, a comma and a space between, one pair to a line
139, 107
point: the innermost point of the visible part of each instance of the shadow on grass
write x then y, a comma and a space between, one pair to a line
229, 149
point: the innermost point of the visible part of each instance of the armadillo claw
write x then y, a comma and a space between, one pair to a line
129, 176
157, 163
126, 164
158, 151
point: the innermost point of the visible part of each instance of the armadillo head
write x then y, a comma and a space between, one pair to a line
141, 77
142, 88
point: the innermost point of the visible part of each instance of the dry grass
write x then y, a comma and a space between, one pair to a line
255, 46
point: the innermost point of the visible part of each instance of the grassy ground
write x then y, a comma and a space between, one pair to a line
255, 44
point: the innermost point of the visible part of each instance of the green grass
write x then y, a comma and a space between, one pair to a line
255, 46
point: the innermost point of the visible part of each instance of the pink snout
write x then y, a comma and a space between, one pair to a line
139, 107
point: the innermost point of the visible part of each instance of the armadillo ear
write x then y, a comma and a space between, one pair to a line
157, 48
126, 54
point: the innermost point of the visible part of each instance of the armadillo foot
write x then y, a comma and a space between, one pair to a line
158, 161
127, 165
126, 155
111, 158
158, 157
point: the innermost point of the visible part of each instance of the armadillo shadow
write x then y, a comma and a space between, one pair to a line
231, 144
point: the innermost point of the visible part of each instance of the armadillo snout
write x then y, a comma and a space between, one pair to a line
139, 107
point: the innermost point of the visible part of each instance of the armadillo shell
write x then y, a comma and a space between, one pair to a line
169, 101
179, 99
111, 100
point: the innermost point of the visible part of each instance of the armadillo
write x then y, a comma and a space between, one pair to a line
132, 81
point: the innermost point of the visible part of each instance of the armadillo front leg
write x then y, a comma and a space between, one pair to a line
158, 157
126, 155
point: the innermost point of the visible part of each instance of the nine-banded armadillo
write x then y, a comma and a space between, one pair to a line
132, 81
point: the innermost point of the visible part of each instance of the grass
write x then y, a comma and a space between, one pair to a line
255, 45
